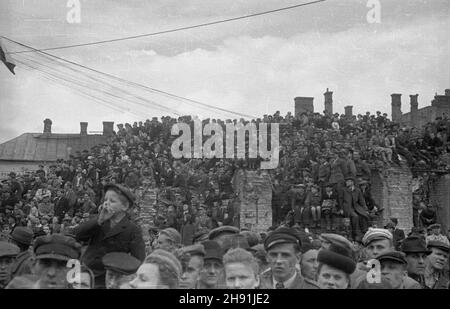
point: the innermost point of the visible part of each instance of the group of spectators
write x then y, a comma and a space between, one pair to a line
322, 182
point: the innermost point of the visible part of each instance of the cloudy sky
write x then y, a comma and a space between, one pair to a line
251, 66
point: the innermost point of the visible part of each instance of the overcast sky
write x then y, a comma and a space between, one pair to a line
251, 66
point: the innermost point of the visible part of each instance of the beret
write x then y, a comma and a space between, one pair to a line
376, 234
121, 262
225, 229
395, 256
438, 244
122, 189
57, 247
282, 235
337, 257
172, 233
8, 249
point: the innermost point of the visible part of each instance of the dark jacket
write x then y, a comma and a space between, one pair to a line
353, 202
299, 282
22, 264
125, 236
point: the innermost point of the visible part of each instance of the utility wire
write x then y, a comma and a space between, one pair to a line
130, 82
176, 29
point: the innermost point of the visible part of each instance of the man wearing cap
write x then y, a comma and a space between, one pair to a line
355, 208
110, 231
169, 239
120, 269
22, 238
8, 253
191, 258
416, 254
211, 274
436, 277
50, 270
398, 234
393, 267
283, 248
435, 234
220, 233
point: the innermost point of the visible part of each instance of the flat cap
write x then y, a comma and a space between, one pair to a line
438, 244
57, 247
196, 249
122, 189
121, 262
200, 236
376, 234
173, 234
394, 256
167, 259
434, 226
225, 229
22, 235
336, 239
8, 249
212, 250
414, 244
282, 235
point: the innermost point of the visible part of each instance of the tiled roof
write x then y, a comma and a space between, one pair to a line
47, 147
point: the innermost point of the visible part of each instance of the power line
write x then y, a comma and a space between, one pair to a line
130, 82
174, 30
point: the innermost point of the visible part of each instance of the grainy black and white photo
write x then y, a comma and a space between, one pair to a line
224, 144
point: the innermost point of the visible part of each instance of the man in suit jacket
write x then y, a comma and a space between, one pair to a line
283, 253
110, 231
355, 208
398, 234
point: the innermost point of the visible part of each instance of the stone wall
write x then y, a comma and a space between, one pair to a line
392, 189
255, 199
440, 196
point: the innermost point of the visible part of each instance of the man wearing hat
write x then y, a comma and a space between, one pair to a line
22, 238
355, 208
220, 233
169, 239
434, 234
436, 276
120, 269
211, 274
8, 253
393, 267
191, 258
416, 252
398, 234
50, 270
283, 248
110, 231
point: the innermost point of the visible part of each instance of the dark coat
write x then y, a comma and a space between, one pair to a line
354, 203
299, 282
22, 265
125, 236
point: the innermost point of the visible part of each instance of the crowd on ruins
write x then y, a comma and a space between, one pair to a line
326, 223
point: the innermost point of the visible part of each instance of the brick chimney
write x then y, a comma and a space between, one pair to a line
108, 128
83, 128
47, 126
396, 105
348, 111
414, 110
329, 101
304, 104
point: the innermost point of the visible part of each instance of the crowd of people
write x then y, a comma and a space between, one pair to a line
87, 208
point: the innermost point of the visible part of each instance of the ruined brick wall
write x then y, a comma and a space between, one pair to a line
254, 190
392, 189
440, 196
